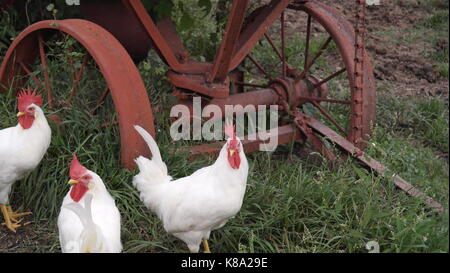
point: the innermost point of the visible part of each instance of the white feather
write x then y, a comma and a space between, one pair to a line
100, 220
21, 150
91, 238
192, 206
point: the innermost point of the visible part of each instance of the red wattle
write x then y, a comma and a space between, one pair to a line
78, 191
234, 160
26, 121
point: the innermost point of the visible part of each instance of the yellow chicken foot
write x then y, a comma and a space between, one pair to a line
11, 221
13, 215
206, 246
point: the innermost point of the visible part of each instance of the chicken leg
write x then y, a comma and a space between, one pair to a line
206, 246
11, 218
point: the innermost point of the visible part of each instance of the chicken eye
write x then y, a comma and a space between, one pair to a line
31, 108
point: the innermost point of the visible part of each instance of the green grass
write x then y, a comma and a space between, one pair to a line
436, 26
293, 202
433, 30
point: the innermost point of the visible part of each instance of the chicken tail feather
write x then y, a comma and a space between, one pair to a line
156, 155
91, 236
153, 173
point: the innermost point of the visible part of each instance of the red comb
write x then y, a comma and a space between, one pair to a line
76, 169
230, 129
26, 97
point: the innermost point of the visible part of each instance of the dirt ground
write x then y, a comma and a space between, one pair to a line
399, 53
397, 47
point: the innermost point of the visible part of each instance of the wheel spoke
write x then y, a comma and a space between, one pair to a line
278, 51
318, 54
77, 78
45, 69
283, 46
329, 117
108, 124
273, 46
70, 61
259, 66
29, 73
308, 33
101, 100
335, 74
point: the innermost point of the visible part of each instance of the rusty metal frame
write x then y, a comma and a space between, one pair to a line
227, 47
120, 73
206, 78
212, 79
373, 164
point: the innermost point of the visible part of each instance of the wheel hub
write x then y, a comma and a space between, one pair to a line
300, 92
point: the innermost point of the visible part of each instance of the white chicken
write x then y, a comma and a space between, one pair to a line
22, 148
191, 207
94, 228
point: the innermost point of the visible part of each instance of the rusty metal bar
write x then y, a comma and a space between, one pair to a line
48, 86
101, 99
308, 34
356, 134
286, 134
228, 44
318, 54
255, 62
153, 31
329, 117
168, 31
273, 46
369, 162
335, 74
33, 77
77, 79
266, 96
300, 121
254, 31
283, 46
166, 41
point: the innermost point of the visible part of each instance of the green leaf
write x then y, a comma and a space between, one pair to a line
366, 217
164, 8
186, 21
206, 4
356, 234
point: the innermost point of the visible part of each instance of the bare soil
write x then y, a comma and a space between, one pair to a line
398, 48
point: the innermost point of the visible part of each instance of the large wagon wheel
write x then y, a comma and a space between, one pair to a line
27, 61
321, 59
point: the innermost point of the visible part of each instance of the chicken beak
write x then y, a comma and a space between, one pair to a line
232, 152
21, 114
72, 182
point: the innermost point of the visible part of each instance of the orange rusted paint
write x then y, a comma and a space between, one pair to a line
125, 83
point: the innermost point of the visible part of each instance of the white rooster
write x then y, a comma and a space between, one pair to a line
94, 228
191, 207
22, 148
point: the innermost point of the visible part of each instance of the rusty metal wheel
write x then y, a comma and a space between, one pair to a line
309, 52
78, 62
